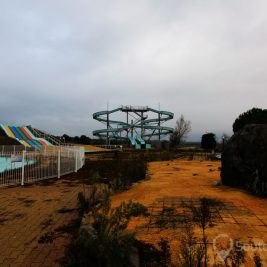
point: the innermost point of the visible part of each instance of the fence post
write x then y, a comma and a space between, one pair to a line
22, 170
58, 164
76, 161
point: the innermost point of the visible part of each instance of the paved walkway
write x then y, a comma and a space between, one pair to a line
35, 222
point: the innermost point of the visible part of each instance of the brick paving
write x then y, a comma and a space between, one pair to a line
37, 213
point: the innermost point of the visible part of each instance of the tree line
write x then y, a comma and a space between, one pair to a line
183, 128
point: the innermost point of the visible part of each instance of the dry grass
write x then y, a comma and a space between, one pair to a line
92, 148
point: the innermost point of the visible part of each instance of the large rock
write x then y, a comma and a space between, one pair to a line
244, 159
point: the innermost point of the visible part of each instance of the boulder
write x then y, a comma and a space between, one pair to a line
216, 183
244, 159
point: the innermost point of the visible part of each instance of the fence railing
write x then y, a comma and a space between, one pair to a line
52, 139
15, 148
19, 166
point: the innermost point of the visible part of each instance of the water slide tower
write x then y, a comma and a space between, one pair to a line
138, 125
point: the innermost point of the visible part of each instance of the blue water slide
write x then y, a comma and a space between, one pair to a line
15, 132
32, 143
140, 140
132, 140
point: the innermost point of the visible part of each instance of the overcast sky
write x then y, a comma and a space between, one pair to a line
60, 61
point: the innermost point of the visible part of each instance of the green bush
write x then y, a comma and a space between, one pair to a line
252, 116
119, 173
107, 242
208, 141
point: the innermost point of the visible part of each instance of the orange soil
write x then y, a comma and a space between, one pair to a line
93, 148
193, 179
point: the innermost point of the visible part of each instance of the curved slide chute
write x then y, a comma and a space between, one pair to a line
137, 126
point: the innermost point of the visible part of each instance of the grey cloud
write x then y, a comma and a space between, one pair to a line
63, 60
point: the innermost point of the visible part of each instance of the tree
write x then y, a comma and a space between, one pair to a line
208, 141
85, 140
225, 138
181, 131
252, 116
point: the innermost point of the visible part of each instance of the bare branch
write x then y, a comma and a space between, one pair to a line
181, 131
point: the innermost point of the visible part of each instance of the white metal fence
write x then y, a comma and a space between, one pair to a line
19, 167
15, 148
